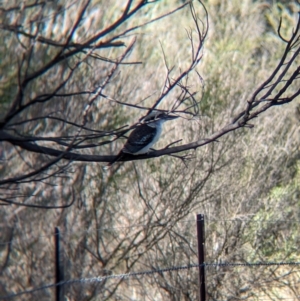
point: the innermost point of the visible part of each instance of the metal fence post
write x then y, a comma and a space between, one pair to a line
59, 275
201, 241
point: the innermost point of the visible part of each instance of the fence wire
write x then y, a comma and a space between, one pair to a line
147, 273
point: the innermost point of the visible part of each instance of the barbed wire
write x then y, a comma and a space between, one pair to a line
147, 273
277, 298
207, 220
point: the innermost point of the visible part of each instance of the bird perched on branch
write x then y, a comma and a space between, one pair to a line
145, 135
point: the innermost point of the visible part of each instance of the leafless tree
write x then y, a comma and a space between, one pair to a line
65, 101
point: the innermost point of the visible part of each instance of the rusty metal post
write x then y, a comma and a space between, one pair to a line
59, 275
201, 242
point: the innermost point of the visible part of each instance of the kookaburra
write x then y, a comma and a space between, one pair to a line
145, 135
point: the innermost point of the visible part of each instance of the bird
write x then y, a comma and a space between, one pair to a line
145, 135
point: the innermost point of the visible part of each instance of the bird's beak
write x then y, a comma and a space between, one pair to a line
170, 117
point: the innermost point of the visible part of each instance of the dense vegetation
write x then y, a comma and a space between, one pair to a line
71, 82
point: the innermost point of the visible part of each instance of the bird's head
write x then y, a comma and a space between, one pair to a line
158, 116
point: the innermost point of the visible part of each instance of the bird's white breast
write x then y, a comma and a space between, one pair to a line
158, 125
